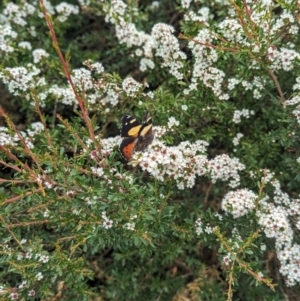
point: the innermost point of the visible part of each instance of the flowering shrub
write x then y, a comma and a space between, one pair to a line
210, 208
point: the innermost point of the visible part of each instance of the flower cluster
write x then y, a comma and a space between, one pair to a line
82, 78
129, 226
167, 47
28, 135
224, 168
199, 226
181, 163
131, 86
237, 138
275, 222
38, 54
29, 255
283, 58
64, 10
232, 82
6, 138
107, 145
232, 30
96, 91
17, 13
21, 79
202, 16
295, 100
98, 171
114, 11
289, 258
146, 63
172, 122
274, 216
241, 113
203, 69
127, 33
65, 95
97, 67
6, 37
161, 40
239, 202
257, 85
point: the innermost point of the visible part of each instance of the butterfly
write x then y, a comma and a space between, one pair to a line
137, 135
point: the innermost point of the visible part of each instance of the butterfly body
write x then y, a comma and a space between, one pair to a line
137, 135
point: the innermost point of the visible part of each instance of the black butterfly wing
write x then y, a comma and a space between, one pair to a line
130, 126
146, 134
137, 135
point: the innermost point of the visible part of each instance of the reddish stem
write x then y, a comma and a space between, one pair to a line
67, 73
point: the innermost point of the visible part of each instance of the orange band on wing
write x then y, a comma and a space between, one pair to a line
127, 150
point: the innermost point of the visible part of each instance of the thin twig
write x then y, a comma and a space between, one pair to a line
25, 224
274, 78
11, 232
209, 45
18, 197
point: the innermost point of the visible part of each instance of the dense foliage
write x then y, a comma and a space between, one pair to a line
210, 210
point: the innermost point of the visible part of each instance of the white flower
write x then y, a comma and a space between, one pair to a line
46, 213
154, 5
98, 171
130, 226
168, 48
25, 45
225, 168
226, 259
65, 10
239, 113
97, 67
20, 256
263, 247
38, 54
107, 224
172, 122
20, 79
82, 78
39, 276
23, 284
239, 202
185, 3
208, 229
44, 258
131, 86
236, 139
275, 222
146, 63
14, 296
28, 254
